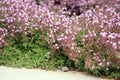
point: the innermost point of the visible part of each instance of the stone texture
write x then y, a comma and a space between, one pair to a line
65, 69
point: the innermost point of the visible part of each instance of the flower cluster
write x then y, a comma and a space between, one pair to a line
62, 35
3, 35
103, 36
19, 15
101, 25
23, 15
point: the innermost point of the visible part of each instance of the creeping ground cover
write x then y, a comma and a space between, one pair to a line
83, 35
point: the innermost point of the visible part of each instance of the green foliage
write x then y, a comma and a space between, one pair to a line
0, 24
115, 75
114, 72
33, 58
81, 64
32, 53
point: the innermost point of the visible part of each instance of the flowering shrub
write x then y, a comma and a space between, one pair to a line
93, 36
21, 17
103, 37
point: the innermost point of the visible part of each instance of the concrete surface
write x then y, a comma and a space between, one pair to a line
8, 73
